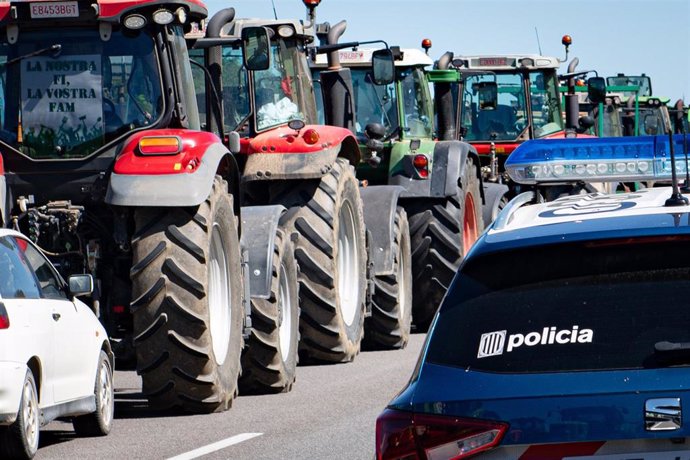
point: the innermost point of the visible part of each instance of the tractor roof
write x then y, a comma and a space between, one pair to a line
113, 10
506, 62
234, 29
361, 57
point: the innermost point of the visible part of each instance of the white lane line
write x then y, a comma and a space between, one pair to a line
196, 453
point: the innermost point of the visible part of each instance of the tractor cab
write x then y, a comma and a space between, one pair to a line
646, 116
526, 103
608, 113
642, 82
403, 107
264, 84
77, 78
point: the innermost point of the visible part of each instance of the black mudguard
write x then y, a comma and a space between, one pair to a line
380, 202
259, 224
448, 168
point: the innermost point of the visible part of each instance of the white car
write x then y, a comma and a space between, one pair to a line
55, 357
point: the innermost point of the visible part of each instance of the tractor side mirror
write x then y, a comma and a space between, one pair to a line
596, 89
383, 67
584, 123
255, 48
651, 125
488, 95
234, 142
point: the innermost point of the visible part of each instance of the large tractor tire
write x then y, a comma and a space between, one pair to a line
389, 325
441, 232
269, 359
187, 308
331, 255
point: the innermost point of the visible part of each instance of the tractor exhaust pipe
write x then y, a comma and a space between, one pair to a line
214, 65
572, 106
444, 102
334, 35
220, 19
336, 85
444, 61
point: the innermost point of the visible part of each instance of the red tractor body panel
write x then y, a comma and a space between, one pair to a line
287, 140
506, 148
113, 9
194, 145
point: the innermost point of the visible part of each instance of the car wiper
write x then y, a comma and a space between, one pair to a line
53, 49
672, 347
670, 354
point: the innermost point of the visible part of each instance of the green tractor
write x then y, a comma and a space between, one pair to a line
440, 177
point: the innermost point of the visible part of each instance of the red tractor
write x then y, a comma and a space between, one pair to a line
106, 167
286, 158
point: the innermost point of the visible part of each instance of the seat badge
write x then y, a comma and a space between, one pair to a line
662, 414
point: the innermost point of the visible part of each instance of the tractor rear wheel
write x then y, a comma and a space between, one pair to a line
269, 360
188, 315
388, 327
441, 233
331, 255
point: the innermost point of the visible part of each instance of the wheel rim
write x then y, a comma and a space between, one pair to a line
469, 227
348, 264
285, 309
30, 415
105, 395
220, 314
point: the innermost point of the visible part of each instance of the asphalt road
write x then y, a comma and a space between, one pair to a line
330, 413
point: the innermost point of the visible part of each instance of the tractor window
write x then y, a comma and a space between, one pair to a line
67, 93
416, 104
283, 92
546, 105
191, 111
373, 103
504, 122
235, 89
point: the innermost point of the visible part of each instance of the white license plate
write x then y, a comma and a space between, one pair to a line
671, 455
54, 10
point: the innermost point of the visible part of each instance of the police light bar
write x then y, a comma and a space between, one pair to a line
613, 159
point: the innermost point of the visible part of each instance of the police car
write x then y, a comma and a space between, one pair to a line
566, 331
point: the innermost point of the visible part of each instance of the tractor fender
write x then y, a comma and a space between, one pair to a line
448, 167
283, 154
494, 195
261, 224
182, 179
380, 202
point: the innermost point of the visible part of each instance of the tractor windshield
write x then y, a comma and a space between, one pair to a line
284, 91
416, 103
373, 103
77, 93
511, 115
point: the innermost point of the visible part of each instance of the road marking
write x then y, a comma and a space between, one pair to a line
196, 453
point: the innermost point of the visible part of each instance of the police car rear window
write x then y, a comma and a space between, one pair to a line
573, 307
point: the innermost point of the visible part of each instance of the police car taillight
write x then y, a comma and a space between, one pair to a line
406, 435
4, 317
595, 160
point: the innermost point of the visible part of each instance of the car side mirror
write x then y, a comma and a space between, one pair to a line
383, 68
80, 285
255, 48
596, 89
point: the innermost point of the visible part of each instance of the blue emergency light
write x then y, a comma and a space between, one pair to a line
612, 159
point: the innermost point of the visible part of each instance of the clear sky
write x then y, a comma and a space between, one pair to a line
610, 36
